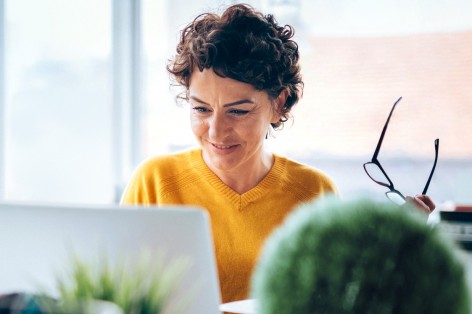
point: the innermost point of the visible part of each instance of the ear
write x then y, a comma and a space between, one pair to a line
279, 104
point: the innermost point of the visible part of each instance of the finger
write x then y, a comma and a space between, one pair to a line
418, 203
427, 201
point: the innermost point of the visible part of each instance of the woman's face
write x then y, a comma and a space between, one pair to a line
230, 120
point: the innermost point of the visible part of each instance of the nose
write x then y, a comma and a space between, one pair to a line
219, 128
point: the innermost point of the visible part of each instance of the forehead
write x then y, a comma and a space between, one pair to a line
209, 83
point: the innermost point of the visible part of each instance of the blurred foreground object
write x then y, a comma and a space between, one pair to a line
359, 257
29, 303
143, 288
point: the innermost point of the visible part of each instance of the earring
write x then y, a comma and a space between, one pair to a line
268, 131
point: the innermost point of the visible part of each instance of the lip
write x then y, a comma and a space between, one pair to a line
223, 148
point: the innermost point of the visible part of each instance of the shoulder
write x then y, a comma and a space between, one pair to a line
156, 175
305, 178
160, 171
167, 165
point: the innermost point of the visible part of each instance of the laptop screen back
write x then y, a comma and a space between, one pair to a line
37, 243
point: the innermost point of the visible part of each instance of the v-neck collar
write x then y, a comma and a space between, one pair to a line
239, 200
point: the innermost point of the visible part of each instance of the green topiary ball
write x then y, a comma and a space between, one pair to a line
359, 256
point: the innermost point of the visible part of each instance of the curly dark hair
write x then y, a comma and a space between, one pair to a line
244, 45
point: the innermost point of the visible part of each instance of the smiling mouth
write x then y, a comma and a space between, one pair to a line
223, 146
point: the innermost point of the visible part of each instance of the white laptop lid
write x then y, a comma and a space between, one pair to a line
36, 243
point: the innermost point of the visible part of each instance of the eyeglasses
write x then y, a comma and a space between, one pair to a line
375, 171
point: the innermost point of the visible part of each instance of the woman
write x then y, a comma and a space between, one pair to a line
241, 77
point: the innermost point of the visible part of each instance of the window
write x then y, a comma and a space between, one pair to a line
57, 104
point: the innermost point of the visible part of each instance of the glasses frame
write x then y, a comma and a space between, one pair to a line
376, 162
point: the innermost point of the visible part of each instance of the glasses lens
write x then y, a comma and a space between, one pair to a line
376, 174
395, 197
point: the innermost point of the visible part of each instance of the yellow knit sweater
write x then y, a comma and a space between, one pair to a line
240, 222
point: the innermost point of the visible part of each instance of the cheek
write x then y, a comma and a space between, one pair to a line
254, 132
197, 125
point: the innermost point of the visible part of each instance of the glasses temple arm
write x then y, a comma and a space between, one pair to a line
379, 144
436, 147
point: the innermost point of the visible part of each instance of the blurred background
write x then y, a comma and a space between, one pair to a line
85, 97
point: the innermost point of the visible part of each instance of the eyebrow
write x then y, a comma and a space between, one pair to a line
235, 103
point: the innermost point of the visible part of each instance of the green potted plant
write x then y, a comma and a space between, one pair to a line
359, 256
135, 288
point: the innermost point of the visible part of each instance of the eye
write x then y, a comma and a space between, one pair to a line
239, 112
201, 109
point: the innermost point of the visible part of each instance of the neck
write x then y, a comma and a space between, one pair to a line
243, 180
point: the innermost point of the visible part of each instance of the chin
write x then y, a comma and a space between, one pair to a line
222, 163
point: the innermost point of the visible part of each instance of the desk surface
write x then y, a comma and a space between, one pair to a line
241, 307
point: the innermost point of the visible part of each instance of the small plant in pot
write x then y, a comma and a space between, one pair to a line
136, 288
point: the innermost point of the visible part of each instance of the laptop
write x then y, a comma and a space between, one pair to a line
36, 242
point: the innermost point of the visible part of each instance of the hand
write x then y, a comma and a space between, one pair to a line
422, 202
